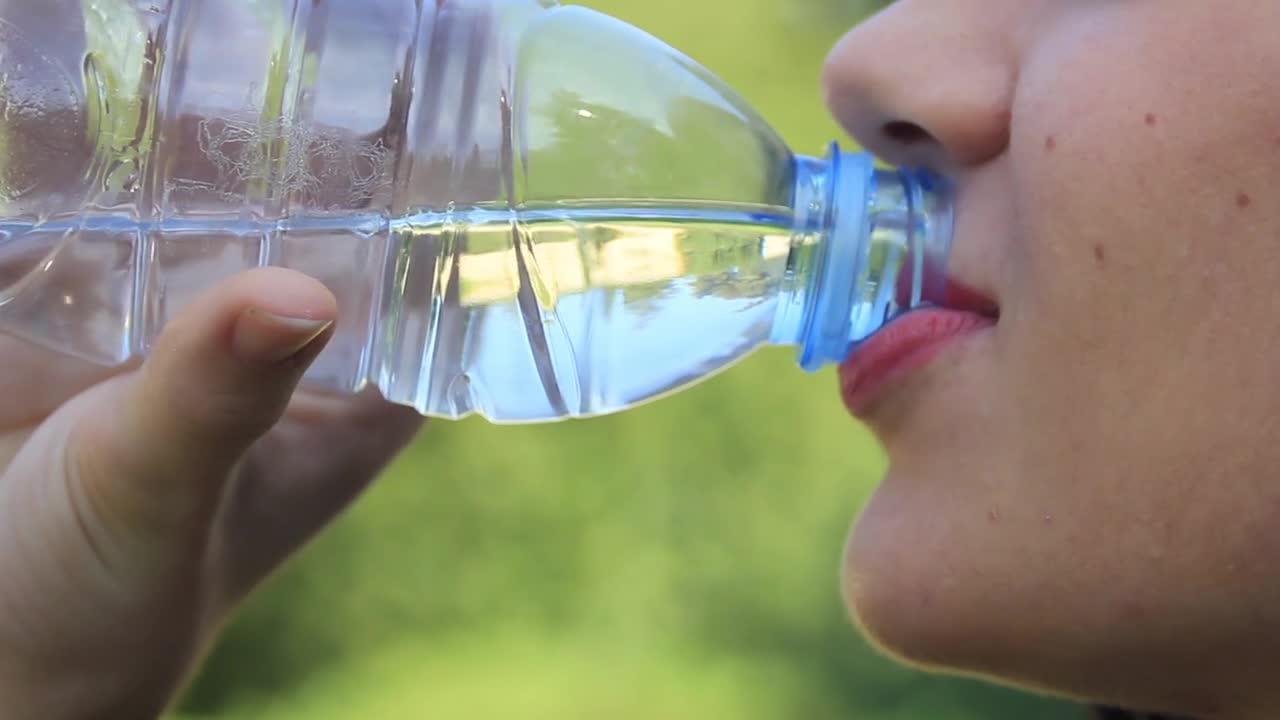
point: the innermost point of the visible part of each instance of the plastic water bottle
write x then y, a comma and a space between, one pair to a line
526, 210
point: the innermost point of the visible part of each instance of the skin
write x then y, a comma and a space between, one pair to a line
1083, 499
137, 509
1080, 500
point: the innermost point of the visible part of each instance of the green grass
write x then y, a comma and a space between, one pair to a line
675, 562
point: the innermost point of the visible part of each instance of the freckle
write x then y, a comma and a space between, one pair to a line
993, 516
1050, 143
1151, 119
1099, 254
1243, 201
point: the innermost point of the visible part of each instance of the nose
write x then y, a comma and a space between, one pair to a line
925, 83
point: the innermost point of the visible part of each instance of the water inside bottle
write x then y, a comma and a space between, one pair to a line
547, 311
584, 310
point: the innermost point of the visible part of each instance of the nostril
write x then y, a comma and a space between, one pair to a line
905, 133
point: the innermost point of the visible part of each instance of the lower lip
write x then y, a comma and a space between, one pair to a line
900, 348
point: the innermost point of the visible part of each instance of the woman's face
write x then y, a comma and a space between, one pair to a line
1086, 497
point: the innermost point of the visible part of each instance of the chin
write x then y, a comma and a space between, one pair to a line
928, 583
935, 583
896, 587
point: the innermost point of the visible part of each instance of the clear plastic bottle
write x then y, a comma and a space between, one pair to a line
526, 210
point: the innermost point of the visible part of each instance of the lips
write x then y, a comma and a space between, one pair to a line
910, 342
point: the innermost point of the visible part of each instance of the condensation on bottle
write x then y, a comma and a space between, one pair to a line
526, 210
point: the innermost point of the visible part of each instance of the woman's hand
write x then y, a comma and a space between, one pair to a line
137, 509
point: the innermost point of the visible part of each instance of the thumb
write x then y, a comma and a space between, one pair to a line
154, 453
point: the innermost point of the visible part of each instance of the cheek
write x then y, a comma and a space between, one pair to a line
1132, 399
1142, 322
1140, 193
1144, 257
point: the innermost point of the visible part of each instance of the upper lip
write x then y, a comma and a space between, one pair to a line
959, 295
979, 236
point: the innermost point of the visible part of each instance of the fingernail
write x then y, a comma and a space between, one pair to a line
264, 337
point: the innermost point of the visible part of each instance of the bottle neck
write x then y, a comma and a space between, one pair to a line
868, 244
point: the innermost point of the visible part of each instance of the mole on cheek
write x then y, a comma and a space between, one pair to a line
1151, 119
1099, 254
1050, 143
1243, 201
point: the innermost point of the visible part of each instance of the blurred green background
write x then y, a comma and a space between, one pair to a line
676, 562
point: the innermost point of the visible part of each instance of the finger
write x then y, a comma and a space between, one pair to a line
334, 445
310, 468
36, 381
152, 453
